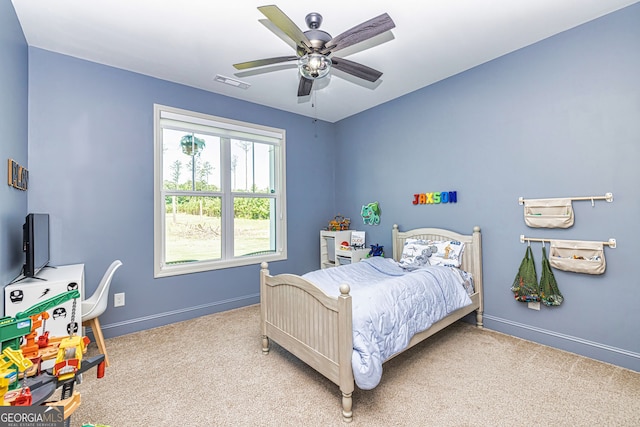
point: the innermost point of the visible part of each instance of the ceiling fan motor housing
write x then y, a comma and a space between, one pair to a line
317, 37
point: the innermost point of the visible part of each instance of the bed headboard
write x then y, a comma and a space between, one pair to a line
471, 258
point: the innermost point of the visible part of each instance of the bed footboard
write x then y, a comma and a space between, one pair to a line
312, 325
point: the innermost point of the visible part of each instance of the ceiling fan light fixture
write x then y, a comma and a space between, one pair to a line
314, 66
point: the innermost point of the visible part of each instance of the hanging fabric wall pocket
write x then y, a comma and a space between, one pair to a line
577, 256
548, 213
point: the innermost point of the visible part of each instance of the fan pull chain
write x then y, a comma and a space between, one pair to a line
314, 105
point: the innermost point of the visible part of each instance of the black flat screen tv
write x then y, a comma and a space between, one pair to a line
35, 243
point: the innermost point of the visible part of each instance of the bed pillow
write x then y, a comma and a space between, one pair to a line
415, 254
448, 253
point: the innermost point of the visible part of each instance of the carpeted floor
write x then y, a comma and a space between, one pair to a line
210, 371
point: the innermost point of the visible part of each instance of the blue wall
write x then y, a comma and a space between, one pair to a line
559, 118
13, 139
91, 155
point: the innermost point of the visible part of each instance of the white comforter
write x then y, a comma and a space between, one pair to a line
390, 305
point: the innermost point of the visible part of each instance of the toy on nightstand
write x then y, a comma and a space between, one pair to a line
376, 250
339, 223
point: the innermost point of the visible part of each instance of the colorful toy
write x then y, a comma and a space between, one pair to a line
13, 363
37, 386
376, 250
339, 223
69, 358
371, 213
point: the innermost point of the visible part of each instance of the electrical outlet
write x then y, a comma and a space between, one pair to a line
533, 305
118, 299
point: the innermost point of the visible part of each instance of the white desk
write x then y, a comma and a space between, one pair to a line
26, 293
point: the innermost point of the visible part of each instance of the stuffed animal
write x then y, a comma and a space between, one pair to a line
376, 250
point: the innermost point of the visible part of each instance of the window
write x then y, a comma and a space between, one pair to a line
219, 193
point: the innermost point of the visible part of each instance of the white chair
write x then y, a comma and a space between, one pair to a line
96, 304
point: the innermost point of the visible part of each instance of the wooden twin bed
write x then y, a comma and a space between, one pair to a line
317, 328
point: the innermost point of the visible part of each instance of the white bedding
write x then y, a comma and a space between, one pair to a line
390, 305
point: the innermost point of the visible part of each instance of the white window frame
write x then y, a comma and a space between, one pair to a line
161, 269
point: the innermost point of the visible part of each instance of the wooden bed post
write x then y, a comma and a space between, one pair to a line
345, 351
264, 272
477, 277
397, 246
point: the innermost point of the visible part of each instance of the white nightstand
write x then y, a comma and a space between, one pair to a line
331, 253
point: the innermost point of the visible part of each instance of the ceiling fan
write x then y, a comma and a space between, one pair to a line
315, 48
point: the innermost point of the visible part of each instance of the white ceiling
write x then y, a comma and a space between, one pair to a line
191, 41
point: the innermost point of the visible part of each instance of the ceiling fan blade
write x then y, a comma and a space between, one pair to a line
359, 33
263, 62
278, 32
356, 69
283, 22
304, 87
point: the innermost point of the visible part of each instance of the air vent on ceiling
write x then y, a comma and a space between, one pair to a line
231, 82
